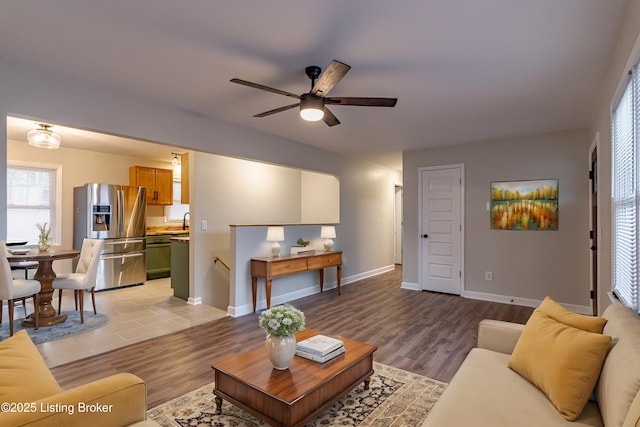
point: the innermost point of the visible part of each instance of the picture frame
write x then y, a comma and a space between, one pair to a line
524, 205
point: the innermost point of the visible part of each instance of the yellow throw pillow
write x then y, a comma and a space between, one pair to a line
580, 321
562, 361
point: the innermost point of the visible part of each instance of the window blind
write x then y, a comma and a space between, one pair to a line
626, 200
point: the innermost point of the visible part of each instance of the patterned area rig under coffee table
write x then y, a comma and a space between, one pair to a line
294, 396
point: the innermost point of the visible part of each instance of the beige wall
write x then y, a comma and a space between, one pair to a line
366, 189
225, 191
234, 191
320, 198
79, 167
526, 265
622, 59
554, 264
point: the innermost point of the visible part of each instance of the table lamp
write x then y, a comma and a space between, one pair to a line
275, 235
328, 232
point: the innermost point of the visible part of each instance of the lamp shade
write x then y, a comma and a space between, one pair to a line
328, 232
275, 234
43, 137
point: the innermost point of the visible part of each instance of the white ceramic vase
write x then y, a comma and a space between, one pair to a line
281, 350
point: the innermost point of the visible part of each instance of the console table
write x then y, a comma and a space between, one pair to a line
273, 267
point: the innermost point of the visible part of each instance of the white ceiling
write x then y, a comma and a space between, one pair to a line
462, 70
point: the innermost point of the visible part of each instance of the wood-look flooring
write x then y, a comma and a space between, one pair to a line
423, 332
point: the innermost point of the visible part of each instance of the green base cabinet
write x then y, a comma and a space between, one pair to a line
158, 257
180, 268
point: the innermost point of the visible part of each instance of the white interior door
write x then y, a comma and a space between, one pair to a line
441, 237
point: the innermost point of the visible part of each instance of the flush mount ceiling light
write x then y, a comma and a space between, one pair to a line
311, 107
175, 161
43, 137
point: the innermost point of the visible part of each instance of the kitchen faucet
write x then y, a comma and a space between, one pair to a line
184, 220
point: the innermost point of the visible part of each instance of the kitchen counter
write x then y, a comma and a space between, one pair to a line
161, 231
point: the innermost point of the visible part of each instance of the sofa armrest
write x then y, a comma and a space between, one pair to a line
118, 400
498, 335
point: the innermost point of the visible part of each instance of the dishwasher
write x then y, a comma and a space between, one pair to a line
158, 256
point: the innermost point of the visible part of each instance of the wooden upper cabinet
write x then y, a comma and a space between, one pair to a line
184, 194
159, 183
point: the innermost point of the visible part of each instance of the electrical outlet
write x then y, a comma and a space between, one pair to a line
204, 225
488, 275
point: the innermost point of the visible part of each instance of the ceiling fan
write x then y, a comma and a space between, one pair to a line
313, 104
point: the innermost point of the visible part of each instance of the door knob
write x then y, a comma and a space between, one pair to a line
424, 236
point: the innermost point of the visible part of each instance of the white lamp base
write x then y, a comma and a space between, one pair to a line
328, 245
275, 249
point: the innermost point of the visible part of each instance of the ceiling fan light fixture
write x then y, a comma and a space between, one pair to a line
44, 137
311, 108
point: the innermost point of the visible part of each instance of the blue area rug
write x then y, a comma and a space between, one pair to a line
69, 327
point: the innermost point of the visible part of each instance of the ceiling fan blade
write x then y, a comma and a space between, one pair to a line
363, 102
329, 118
277, 110
267, 88
334, 72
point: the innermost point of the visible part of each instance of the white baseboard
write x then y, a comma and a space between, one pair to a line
505, 299
194, 301
410, 286
527, 302
305, 292
367, 274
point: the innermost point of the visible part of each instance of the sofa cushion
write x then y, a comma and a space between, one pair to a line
562, 361
568, 317
25, 375
619, 385
485, 393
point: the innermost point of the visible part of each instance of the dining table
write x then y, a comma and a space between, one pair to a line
45, 275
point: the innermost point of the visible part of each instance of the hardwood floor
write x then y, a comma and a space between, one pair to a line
423, 332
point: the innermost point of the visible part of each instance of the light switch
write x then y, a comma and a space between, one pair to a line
204, 225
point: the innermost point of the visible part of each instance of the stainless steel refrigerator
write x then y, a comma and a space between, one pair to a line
117, 214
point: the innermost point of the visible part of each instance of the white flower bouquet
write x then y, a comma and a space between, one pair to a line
282, 320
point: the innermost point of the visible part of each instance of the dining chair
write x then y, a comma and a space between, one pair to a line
16, 289
25, 266
84, 277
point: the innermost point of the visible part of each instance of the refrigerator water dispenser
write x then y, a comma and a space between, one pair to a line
101, 218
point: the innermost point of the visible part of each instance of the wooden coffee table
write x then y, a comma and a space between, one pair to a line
294, 396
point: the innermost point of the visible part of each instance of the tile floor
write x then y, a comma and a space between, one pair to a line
136, 314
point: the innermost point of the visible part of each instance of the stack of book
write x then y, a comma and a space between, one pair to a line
319, 348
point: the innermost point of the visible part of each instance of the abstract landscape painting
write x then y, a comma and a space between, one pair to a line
524, 205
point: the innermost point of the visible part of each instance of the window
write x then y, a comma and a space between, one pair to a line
176, 211
625, 129
33, 196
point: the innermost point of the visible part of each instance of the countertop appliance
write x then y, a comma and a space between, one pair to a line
117, 214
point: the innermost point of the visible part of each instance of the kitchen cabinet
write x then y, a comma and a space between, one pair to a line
159, 255
180, 267
159, 183
184, 179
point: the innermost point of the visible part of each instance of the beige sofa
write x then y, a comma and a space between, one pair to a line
486, 393
30, 395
